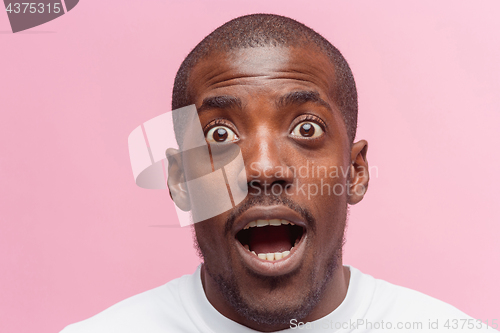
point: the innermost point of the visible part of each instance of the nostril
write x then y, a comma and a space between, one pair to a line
253, 183
254, 186
281, 182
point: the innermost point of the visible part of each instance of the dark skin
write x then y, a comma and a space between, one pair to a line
256, 109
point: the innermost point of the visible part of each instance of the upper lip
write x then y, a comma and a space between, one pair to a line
268, 213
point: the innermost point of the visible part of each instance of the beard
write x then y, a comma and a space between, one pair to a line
308, 297
270, 316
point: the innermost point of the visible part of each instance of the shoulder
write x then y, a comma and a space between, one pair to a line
401, 299
152, 311
397, 304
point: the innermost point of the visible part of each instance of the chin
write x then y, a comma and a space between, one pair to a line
273, 301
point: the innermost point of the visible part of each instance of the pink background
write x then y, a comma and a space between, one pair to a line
77, 235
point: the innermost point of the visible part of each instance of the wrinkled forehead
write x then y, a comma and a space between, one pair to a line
221, 69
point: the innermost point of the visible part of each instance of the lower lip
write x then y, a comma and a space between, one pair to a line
275, 267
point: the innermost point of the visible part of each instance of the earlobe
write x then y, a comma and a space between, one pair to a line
358, 182
176, 180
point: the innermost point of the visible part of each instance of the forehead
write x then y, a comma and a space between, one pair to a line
263, 67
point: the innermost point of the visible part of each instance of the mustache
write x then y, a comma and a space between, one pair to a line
268, 200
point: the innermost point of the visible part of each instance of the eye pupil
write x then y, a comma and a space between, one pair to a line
220, 135
307, 130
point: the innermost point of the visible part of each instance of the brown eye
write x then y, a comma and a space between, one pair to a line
307, 129
220, 134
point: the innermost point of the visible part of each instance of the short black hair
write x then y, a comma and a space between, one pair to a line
261, 30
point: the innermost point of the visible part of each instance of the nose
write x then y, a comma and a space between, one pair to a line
266, 164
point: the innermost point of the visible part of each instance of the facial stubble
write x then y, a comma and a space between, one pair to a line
307, 297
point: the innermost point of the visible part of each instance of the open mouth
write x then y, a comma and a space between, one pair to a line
272, 239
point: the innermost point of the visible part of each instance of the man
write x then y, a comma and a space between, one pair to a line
287, 98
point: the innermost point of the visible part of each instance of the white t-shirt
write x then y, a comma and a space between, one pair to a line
371, 305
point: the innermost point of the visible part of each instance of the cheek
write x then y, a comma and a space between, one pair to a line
207, 229
325, 181
209, 198
327, 193
210, 237
331, 225
332, 196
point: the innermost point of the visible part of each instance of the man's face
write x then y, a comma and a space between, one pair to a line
277, 104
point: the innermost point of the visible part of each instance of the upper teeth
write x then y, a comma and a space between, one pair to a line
262, 223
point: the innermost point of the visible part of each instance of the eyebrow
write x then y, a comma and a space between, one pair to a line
292, 98
302, 97
220, 102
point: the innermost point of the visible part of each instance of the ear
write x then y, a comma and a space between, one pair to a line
176, 181
358, 183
